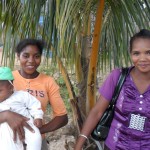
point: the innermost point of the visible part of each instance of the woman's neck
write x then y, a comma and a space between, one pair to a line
28, 76
140, 75
141, 80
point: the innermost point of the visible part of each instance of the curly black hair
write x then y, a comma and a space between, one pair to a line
26, 42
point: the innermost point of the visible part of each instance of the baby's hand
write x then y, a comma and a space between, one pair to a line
38, 122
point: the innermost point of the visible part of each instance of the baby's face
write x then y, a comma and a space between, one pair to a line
5, 90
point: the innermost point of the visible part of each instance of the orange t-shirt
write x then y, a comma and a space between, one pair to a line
44, 88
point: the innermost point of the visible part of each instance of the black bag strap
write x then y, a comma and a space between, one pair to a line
119, 86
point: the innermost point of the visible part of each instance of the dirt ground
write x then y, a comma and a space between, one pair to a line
63, 138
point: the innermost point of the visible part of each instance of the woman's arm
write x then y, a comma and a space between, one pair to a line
58, 107
16, 123
91, 121
54, 124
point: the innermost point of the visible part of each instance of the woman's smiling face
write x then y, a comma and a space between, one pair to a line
30, 59
140, 54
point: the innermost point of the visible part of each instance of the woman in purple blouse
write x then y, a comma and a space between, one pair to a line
130, 128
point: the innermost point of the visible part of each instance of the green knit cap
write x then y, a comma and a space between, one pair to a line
6, 73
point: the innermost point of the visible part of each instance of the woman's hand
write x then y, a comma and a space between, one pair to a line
38, 122
16, 123
91, 121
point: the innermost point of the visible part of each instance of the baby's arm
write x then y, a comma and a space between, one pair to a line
34, 107
38, 122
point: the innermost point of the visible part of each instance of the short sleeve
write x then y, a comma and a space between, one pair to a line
108, 87
56, 101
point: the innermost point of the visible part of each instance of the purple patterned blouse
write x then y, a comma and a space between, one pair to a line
130, 128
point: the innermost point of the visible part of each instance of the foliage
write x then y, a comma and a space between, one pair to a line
65, 25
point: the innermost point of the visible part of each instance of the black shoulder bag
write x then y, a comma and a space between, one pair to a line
100, 132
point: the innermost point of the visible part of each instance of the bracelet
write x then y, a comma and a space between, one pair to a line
84, 136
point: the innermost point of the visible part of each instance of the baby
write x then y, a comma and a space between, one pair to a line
22, 103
